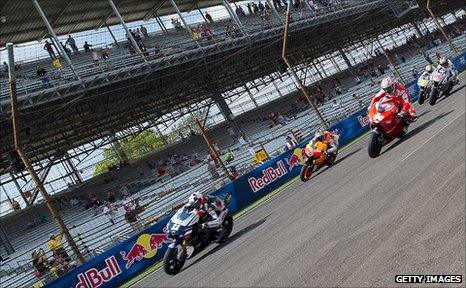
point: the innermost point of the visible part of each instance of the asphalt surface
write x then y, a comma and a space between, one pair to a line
356, 224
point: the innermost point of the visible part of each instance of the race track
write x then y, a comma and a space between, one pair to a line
359, 223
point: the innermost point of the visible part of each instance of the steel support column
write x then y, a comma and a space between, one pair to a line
5, 241
182, 18
251, 96
397, 72
118, 149
122, 22
452, 47
19, 188
111, 34
223, 106
18, 147
274, 11
233, 15
54, 36
75, 171
347, 61
418, 31
298, 81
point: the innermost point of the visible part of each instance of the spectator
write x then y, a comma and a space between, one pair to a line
55, 244
5, 69
87, 46
143, 48
357, 79
427, 57
41, 267
110, 211
338, 90
104, 55
42, 73
111, 197
95, 57
132, 218
232, 134
15, 204
355, 97
176, 24
72, 43
67, 51
124, 191
144, 31
339, 110
59, 265
414, 72
48, 47
290, 142
229, 156
209, 18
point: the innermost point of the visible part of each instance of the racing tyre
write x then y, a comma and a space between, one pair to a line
421, 98
227, 227
433, 96
306, 172
374, 147
448, 91
331, 159
172, 264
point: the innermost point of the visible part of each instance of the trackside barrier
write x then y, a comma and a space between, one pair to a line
127, 259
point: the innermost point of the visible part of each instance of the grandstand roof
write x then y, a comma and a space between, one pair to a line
24, 24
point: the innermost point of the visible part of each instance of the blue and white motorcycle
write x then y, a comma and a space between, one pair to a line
190, 237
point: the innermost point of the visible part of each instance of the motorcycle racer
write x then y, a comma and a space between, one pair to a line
207, 206
426, 74
326, 137
396, 93
450, 67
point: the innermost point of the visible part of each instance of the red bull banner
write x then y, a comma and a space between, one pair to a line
127, 259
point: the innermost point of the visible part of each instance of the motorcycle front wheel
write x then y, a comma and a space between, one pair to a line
433, 96
421, 97
306, 172
375, 146
172, 264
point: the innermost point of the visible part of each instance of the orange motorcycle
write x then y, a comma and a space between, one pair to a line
315, 158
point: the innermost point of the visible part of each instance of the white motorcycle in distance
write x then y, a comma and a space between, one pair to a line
441, 84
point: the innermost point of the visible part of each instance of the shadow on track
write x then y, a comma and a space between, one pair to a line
417, 130
336, 162
232, 238
451, 92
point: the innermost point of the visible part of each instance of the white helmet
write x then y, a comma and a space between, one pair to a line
443, 61
429, 68
388, 85
193, 199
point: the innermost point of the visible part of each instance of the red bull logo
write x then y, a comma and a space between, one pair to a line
363, 121
146, 246
295, 159
269, 175
93, 278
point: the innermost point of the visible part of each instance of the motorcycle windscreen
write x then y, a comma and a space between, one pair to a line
185, 217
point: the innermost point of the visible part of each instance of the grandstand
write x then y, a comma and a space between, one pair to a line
94, 240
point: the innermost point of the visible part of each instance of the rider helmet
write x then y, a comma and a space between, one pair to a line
388, 85
443, 61
319, 136
429, 68
193, 199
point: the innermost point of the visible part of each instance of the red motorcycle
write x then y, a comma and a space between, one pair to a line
386, 124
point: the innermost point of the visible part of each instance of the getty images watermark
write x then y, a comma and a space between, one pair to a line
429, 279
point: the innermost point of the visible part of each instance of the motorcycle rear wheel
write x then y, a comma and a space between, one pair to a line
374, 147
227, 227
171, 264
306, 172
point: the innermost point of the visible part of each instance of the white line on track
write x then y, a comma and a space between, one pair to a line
430, 138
